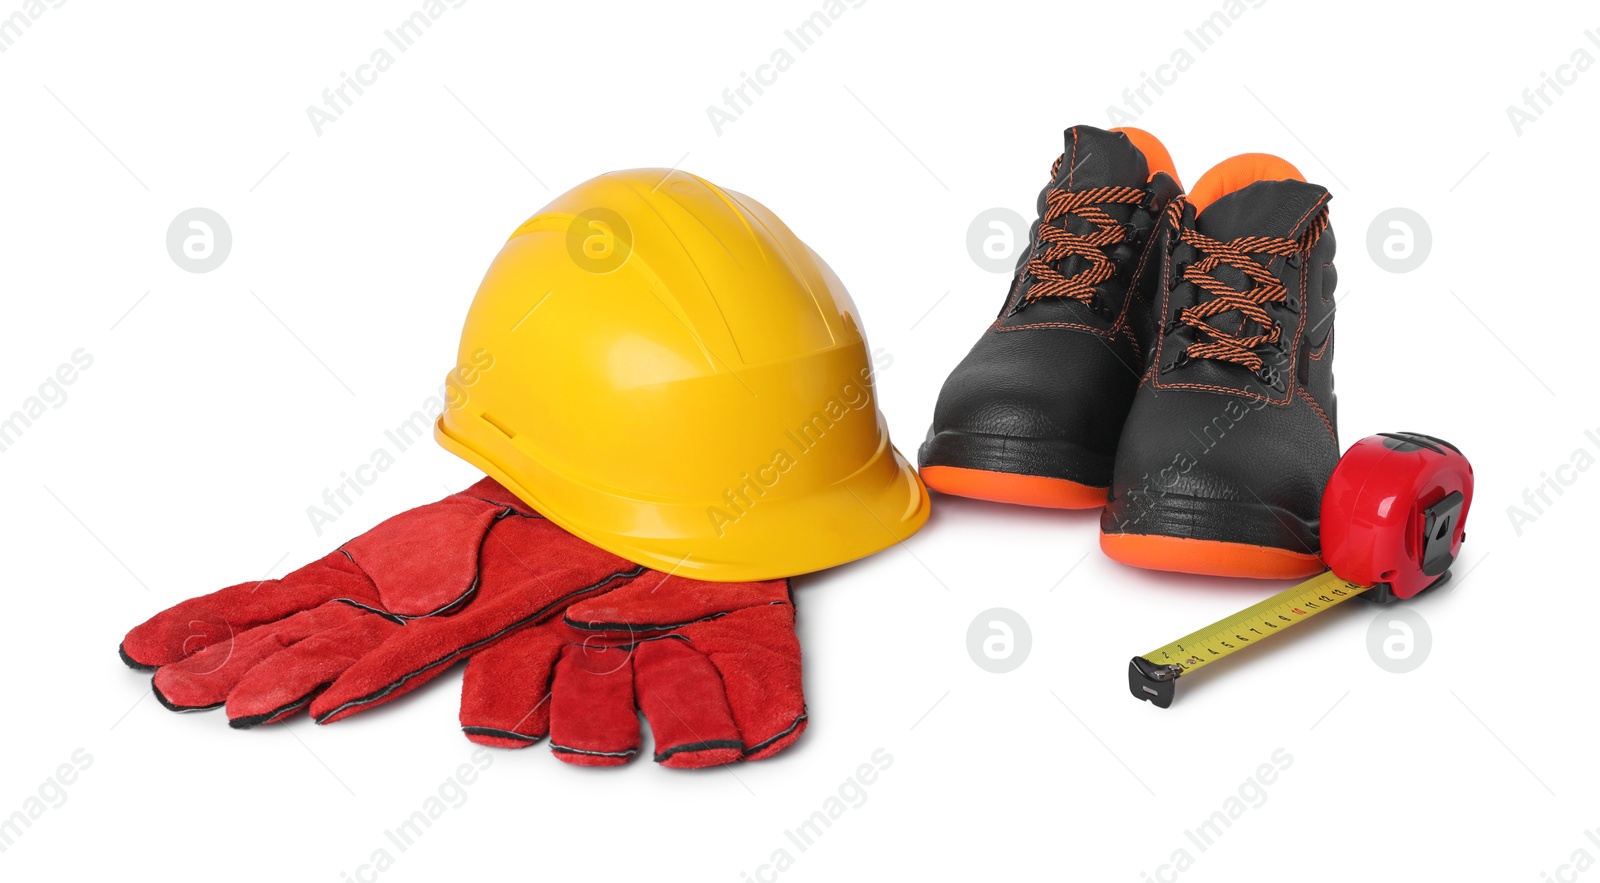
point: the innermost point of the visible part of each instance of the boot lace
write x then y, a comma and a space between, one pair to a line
1056, 243
1256, 326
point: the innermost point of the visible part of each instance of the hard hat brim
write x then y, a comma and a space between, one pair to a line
878, 506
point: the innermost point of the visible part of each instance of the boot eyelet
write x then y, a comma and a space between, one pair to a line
1294, 260
1270, 375
1178, 362
1293, 304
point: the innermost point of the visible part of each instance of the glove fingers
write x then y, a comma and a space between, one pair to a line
592, 717
429, 646
205, 679
505, 692
682, 697
285, 682
190, 627
757, 657
425, 649
425, 560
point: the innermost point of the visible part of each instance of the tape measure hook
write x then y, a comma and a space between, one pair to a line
1152, 682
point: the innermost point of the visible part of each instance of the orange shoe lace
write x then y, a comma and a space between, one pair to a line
1061, 244
1238, 347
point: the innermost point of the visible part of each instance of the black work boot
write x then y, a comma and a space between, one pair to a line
1033, 413
1232, 435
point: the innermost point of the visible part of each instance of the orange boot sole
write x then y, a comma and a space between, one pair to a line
1209, 557
1006, 487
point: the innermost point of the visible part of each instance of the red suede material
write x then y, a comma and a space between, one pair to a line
410, 565
506, 687
497, 741
753, 645
206, 678
778, 743
424, 559
460, 573
733, 675
564, 639
702, 758
293, 675
758, 655
591, 704
657, 599
681, 696
187, 628
531, 570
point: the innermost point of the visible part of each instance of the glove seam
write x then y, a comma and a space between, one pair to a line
766, 743
468, 649
657, 627
705, 745
475, 730
566, 749
465, 596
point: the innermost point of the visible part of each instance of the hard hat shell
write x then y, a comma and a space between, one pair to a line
662, 368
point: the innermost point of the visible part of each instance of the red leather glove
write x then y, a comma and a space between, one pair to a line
715, 667
398, 605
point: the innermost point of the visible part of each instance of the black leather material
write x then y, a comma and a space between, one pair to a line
1046, 388
1212, 450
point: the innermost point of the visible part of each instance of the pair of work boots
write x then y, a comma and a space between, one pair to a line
1167, 356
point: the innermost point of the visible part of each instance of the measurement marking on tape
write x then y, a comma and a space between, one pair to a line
1153, 676
1247, 626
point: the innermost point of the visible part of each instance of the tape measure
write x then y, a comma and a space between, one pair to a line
1394, 514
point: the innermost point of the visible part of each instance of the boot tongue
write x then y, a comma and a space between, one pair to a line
1097, 158
1092, 158
1265, 208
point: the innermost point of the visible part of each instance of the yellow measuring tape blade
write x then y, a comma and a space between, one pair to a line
1255, 623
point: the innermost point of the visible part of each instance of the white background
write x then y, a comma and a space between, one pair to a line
220, 405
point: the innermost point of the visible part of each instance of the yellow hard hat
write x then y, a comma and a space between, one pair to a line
661, 367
